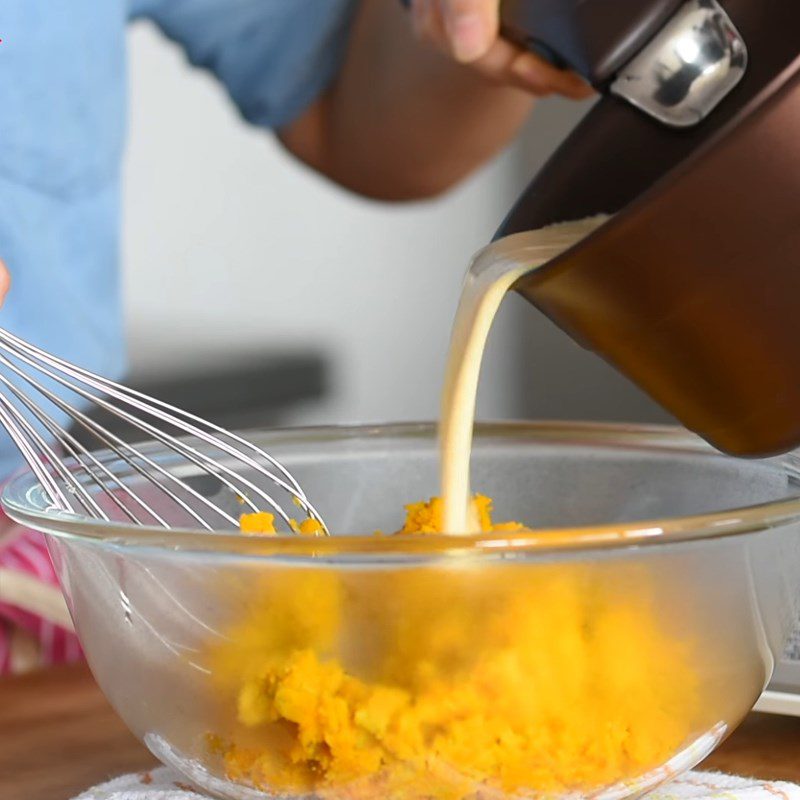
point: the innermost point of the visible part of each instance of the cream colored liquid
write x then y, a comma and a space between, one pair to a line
492, 273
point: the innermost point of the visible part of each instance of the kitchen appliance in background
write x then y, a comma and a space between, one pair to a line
783, 694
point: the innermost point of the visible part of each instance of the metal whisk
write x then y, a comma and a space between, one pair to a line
72, 483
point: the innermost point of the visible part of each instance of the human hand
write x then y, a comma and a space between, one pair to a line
468, 30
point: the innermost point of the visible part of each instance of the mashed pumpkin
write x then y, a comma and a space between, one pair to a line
263, 523
449, 681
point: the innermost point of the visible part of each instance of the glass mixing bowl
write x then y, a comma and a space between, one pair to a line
602, 654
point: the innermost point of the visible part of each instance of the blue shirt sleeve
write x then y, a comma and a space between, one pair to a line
274, 56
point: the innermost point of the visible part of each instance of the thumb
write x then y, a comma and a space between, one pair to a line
471, 26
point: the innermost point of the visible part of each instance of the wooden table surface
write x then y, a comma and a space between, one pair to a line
58, 736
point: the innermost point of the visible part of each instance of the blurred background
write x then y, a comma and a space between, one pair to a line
259, 294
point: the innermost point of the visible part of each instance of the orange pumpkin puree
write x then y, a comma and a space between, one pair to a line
263, 523
452, 680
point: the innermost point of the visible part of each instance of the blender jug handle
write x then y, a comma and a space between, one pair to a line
592, 37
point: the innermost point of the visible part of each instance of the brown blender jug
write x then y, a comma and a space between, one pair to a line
692, 289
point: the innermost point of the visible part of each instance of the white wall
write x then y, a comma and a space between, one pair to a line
229, 244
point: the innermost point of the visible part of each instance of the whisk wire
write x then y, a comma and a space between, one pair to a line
74, 487
167, 413
100, 475
53, 473
172, 414
37, 463
126, 452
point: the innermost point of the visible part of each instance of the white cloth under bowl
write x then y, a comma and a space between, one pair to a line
165, 784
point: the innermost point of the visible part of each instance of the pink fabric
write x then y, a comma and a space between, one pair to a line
25, 551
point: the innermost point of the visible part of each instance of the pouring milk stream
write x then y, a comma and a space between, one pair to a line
492, 273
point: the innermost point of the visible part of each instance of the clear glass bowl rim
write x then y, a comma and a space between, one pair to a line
18, 503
